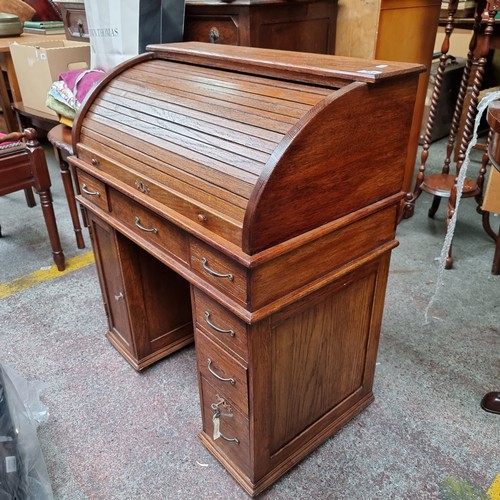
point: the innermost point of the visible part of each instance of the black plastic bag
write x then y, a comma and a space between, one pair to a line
23, 474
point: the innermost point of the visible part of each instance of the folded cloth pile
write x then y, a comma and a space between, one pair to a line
67, 94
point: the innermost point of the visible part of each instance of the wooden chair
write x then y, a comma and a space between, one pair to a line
23, 167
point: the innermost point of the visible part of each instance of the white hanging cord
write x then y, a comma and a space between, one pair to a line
484, 103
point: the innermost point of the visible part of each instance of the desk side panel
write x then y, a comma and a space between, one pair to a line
346, 154
313, 367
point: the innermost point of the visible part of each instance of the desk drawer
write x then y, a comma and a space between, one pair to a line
148, 226
93, 190
223, 371
219, 270
212, 28
75, 21
220, 324
232, 436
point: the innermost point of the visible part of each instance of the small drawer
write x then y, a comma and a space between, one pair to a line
93, 190
220, 324
148, 226
219, 270
223, 371
213, 29
231, 433
75, 21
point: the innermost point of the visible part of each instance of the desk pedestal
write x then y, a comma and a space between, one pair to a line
270, 391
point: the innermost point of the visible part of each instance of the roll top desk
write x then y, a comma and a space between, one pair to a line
249, 197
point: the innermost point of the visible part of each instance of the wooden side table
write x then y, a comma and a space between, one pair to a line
491, 400
28, 117
490, 202
60, 137
443, 185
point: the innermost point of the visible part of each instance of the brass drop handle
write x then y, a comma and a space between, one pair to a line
216, 407
216, 328
213, 34
231, 440
214, 273
217, 376
85, 189
145, 229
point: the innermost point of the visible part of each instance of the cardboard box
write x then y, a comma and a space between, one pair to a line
39, 63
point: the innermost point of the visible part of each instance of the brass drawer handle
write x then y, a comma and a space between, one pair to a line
145, 229
85, 189
231, 440
120, 296
216, 407
216, 328
222, 379
215, 273
213, 34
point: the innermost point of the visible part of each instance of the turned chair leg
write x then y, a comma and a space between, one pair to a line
50, 222
496, 258
30, 197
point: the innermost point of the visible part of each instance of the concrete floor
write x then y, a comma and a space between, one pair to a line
115, 434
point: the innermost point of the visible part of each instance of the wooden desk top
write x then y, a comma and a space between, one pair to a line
60, 137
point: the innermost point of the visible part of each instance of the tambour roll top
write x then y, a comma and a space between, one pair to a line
251, 151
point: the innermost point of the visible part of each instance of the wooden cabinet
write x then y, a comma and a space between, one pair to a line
302, 25
147, 304
267, 183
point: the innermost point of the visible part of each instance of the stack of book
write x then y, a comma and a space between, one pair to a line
44, 27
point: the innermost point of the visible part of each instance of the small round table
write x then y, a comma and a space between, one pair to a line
491, 400
60, 137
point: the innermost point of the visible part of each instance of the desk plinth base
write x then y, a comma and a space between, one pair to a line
318, 435
139, 365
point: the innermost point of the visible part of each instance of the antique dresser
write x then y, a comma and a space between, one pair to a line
249, 197
305, 25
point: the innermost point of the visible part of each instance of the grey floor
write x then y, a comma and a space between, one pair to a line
115, 434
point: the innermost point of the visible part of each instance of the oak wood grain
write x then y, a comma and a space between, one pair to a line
267, 186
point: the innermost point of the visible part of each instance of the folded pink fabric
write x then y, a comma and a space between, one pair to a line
81, 81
